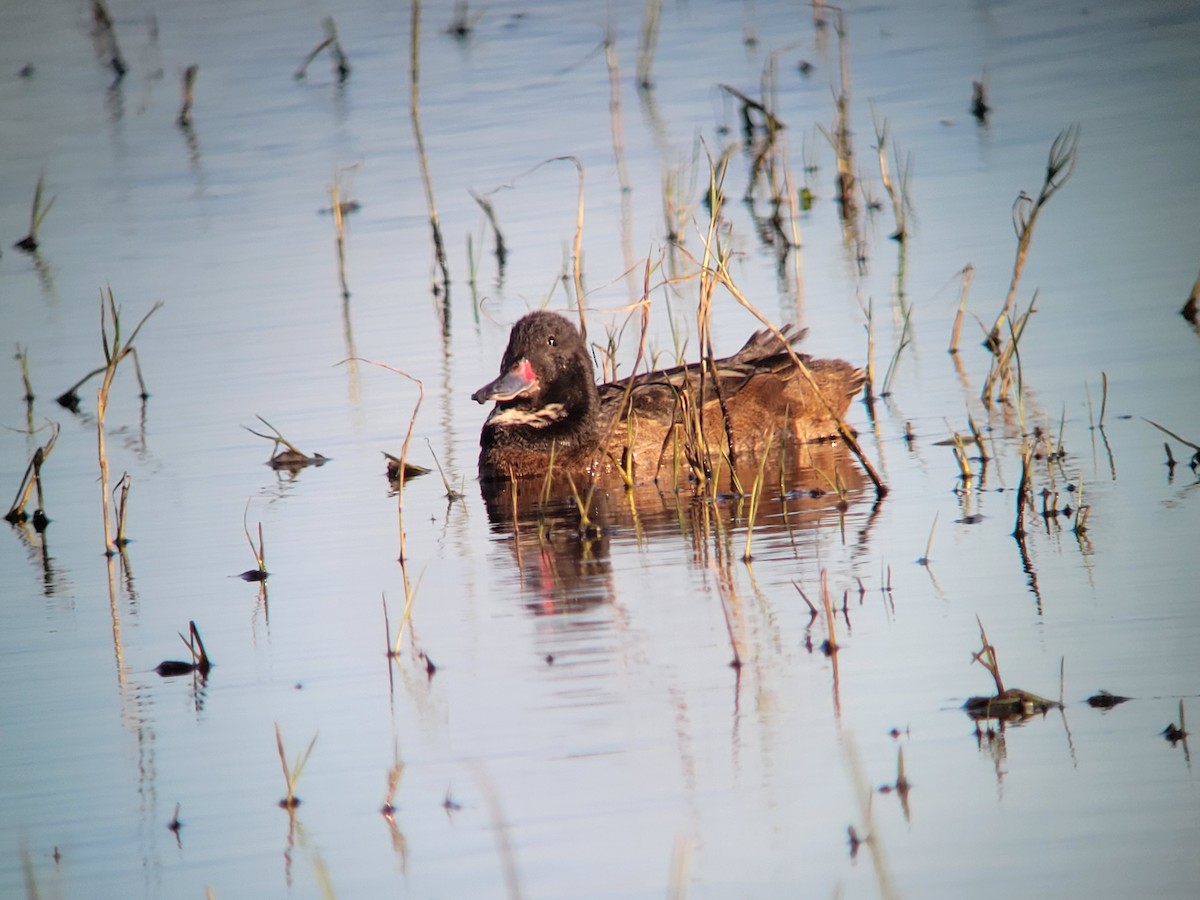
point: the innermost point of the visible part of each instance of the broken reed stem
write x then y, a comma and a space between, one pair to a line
986, 657
414, 72
184, 120
1023, 491
968, 273
122, 505
1064, 154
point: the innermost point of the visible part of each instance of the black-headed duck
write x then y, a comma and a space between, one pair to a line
547, 401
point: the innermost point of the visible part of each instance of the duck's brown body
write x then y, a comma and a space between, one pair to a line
547, 401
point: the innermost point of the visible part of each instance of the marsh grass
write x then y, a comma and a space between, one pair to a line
37, 214
291, 773
500, 249
928, 557
339, 207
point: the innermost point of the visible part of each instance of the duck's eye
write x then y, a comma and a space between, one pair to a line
552, 342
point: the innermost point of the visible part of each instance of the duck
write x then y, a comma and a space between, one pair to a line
549, 411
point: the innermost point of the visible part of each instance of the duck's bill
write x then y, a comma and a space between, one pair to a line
517, 382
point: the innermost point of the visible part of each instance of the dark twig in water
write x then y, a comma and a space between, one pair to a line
184, 120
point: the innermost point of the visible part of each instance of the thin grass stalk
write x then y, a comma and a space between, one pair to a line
905, 340
756, 496
968, 273
414, 72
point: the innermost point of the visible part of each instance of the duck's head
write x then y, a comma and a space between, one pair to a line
545, 378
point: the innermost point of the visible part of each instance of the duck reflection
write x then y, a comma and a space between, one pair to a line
561, 532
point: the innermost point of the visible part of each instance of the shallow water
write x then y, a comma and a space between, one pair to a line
583, 733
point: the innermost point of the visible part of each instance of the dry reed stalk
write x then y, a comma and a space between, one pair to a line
184, 119
927, 558
414, 72
968, 273
1001, 369
37, 213
843, 150
339, 227
113, 354
1064, 154
830, 646
897, 196
291, 774
33, 480
259, 550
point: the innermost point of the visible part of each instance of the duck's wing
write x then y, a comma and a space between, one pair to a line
655, 395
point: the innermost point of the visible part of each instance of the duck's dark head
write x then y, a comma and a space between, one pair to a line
545, 392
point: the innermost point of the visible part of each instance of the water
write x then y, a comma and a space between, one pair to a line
583, 733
